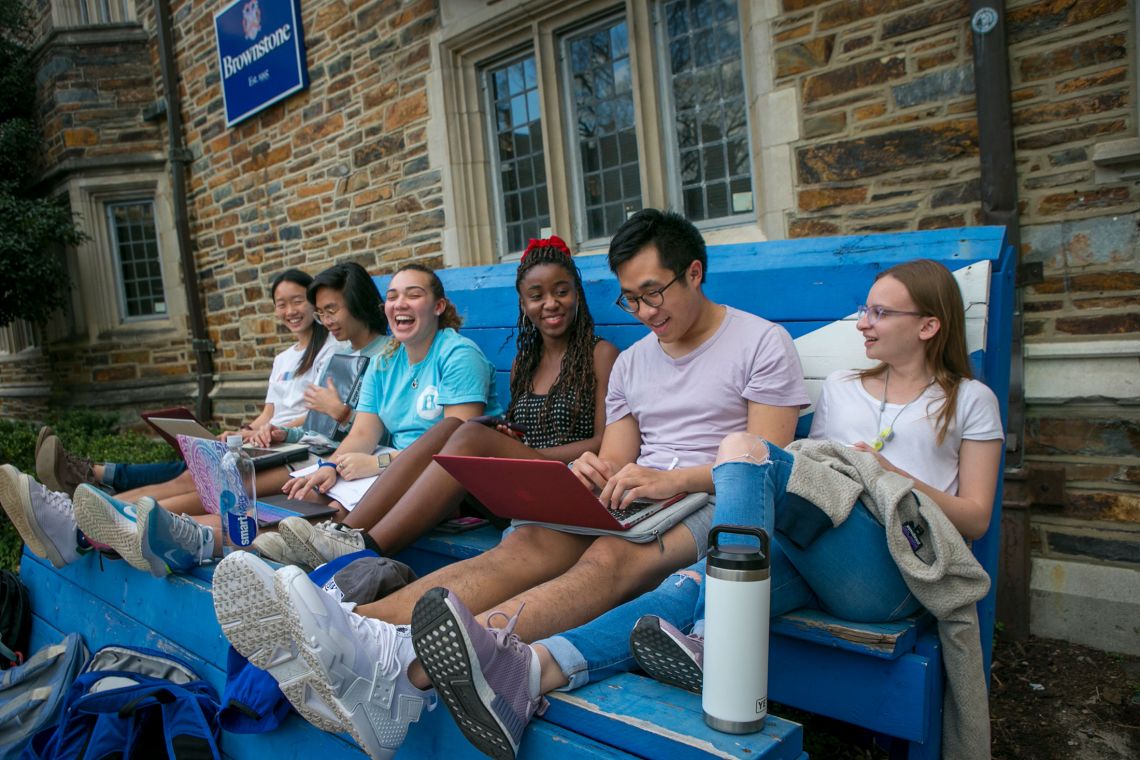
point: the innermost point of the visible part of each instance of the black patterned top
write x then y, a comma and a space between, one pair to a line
559, 417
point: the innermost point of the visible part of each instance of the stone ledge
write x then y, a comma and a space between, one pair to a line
1093, 605
1059, 372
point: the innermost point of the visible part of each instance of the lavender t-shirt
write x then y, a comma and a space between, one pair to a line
685, 407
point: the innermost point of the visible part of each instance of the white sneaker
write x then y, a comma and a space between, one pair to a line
270, 545
314, 545
107, 520
252, 620
358, 666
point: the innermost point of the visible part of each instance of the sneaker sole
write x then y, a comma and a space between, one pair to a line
245, 603
663, 659
446, 653
91, 514
324, 668
16, 497
47, 452
44, 433
299, 550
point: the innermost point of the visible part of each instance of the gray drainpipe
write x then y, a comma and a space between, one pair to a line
999, 182
179, 158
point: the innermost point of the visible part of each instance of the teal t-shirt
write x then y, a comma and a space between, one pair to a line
409, 399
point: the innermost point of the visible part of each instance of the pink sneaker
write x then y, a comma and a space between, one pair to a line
666, 654
488, 678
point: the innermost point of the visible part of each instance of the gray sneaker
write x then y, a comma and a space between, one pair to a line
59, 469
486, 676
314, 545
666, 654
357, 667
270, 545
45, 519
253, 621
107, 520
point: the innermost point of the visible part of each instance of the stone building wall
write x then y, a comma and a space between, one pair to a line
889, 142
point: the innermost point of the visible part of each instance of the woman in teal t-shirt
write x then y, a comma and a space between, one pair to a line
430, 372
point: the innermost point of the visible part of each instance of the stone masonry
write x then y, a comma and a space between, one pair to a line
887, 141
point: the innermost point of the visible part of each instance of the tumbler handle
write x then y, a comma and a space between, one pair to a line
739, 530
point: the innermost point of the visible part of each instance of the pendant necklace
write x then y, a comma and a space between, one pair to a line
888, 432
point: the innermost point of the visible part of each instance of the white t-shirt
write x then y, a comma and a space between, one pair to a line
847, 413
287, 388
685, 407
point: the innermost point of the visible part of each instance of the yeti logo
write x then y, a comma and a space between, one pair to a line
251, 19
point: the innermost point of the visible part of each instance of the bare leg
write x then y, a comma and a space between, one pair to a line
612, 571
527, 556
173, 487
187, 501
435, 495
400, 475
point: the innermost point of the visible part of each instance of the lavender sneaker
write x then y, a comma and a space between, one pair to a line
666, 654
45, 519
357, 667
487, 677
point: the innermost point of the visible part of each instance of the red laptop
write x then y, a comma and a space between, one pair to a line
544, 491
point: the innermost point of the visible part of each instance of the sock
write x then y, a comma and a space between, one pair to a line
370, 543
535, 682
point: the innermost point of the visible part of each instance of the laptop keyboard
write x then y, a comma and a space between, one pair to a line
635, 506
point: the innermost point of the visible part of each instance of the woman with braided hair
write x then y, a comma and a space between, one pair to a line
558, 387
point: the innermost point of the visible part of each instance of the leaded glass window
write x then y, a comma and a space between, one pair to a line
135, 243
517, 153
706, 87
604, 132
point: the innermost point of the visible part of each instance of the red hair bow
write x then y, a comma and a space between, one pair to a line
551, 242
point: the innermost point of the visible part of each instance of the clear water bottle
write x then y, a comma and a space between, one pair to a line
238, 499
738, 590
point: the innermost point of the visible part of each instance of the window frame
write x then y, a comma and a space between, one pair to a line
108, 207
481, 37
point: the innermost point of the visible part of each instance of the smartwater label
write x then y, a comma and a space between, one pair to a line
240, 526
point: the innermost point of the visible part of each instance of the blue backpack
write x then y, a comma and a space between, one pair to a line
133, 703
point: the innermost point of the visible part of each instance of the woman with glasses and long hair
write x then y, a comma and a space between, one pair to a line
558, 385
918, 413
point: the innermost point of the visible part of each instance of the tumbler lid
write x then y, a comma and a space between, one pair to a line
737, 556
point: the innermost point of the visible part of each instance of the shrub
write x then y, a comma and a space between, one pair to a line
85, 433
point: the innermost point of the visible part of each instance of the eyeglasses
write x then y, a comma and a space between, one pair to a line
875, 313
332, 311
652, 299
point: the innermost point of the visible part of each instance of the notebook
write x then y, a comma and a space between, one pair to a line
545, 491
204, 460
263, 459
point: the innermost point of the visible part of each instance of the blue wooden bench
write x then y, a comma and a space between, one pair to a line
887, 678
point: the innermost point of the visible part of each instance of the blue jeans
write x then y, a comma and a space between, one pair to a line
124, 477
847, 571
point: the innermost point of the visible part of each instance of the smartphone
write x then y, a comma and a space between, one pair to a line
461, 524
494, 421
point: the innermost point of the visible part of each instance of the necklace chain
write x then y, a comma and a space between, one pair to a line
888, 432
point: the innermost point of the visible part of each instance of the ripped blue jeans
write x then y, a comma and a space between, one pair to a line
846, 570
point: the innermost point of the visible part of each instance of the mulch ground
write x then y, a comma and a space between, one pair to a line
1049, 700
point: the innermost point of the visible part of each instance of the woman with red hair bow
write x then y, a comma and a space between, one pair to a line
558, 388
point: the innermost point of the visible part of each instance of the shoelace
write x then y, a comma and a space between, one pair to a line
506, 639
186, 531
58, 501
381, 635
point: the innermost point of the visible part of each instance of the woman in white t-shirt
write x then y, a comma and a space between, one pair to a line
299, 365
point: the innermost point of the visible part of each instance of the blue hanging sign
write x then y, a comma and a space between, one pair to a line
261, 54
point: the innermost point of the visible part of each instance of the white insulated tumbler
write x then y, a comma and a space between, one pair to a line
737, 599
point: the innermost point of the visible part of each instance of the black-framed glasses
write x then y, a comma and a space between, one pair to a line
652, 299
875, 313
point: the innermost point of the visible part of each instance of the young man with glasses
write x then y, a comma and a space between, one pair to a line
706, 370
